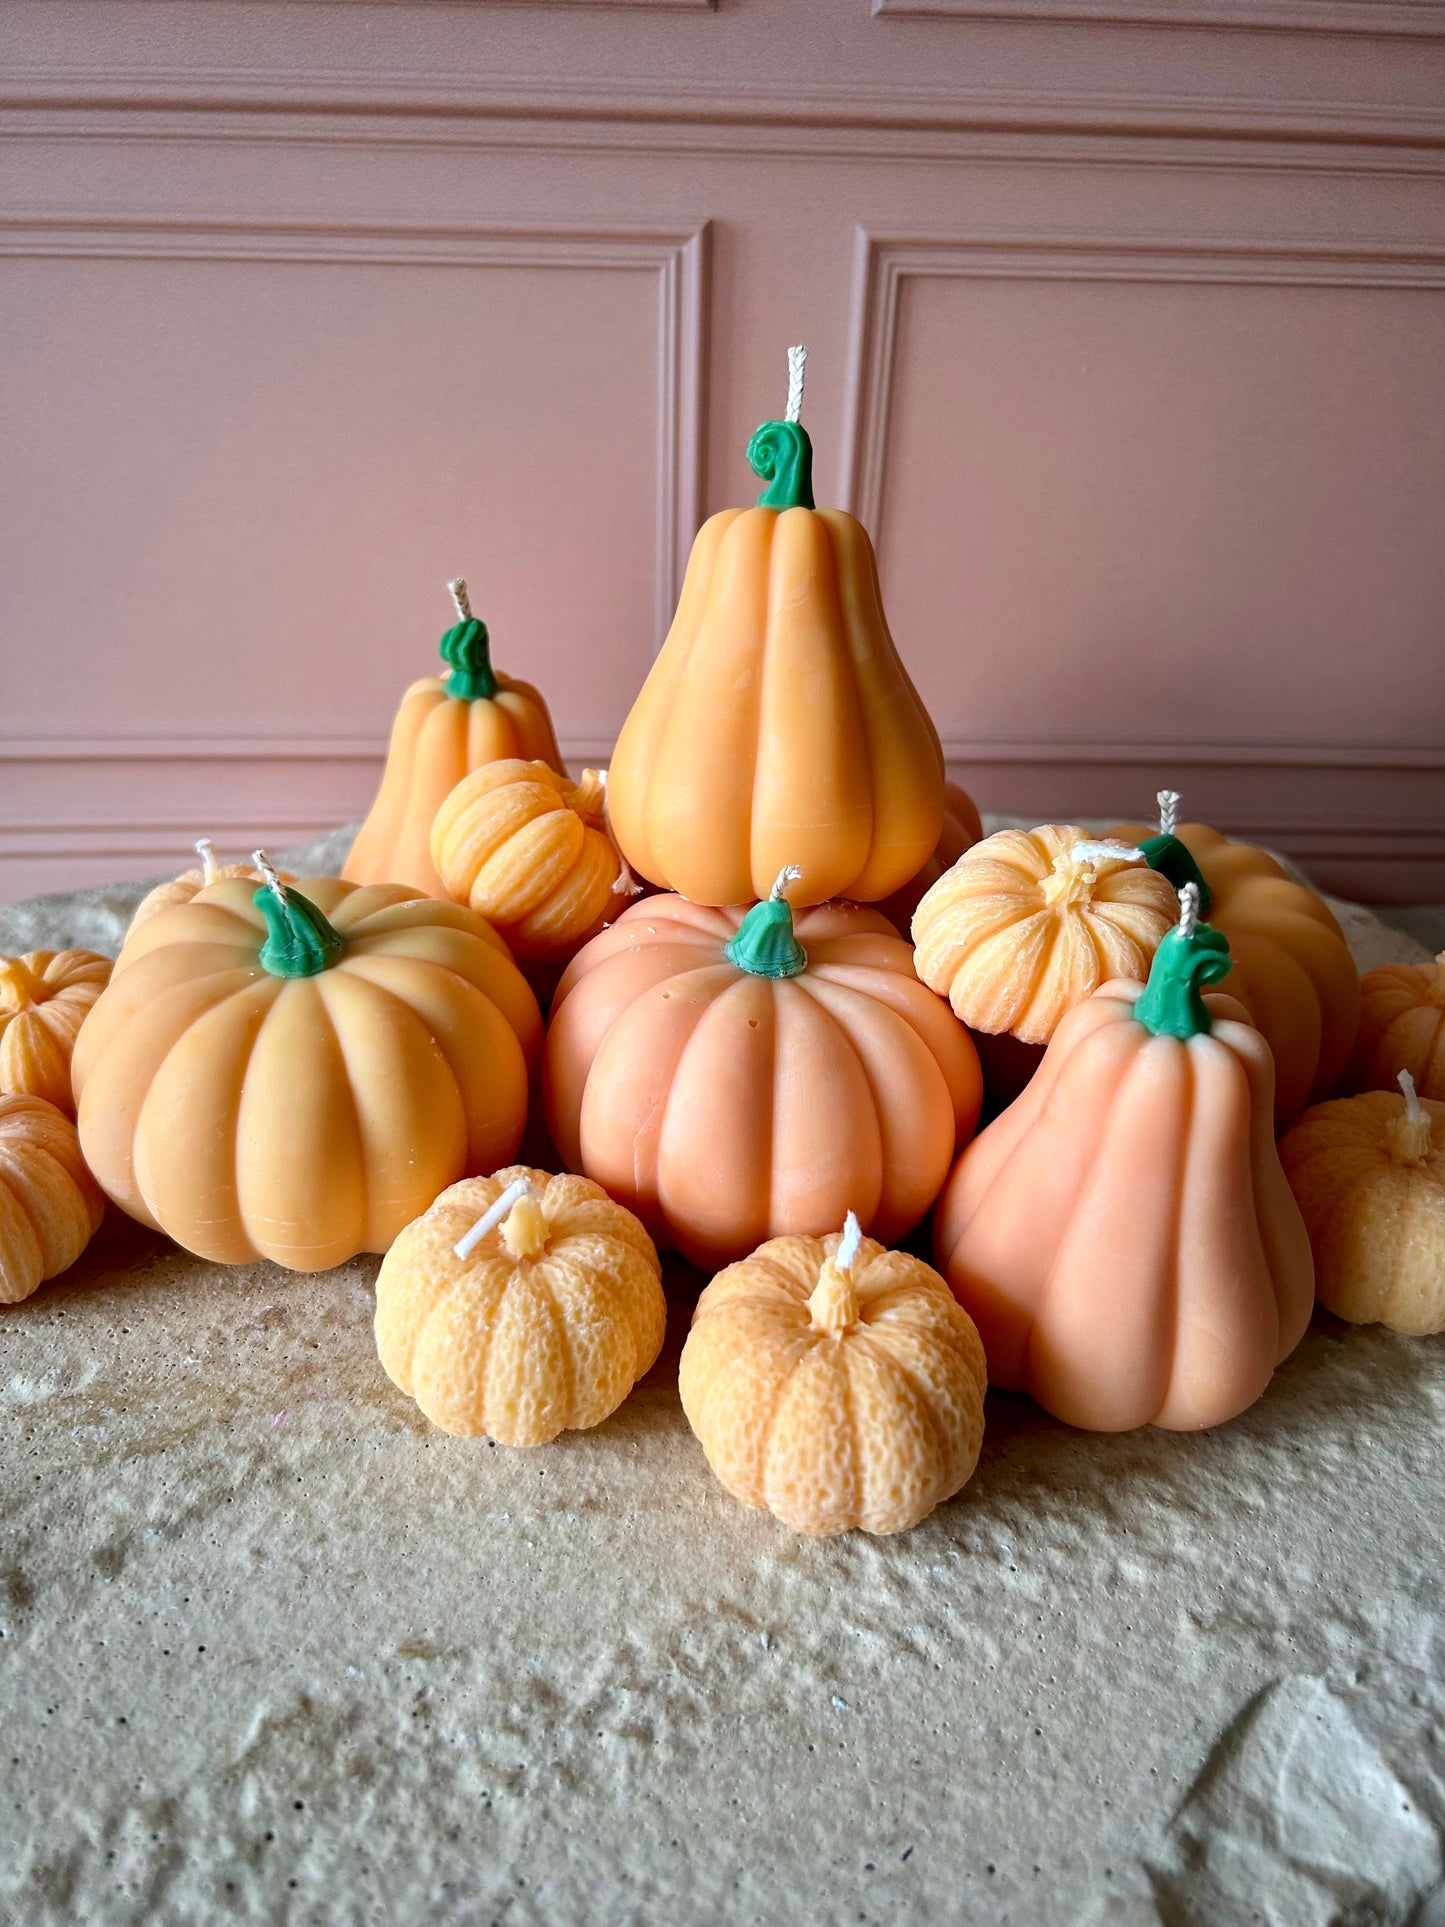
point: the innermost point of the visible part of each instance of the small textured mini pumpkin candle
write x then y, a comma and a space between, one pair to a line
45, 996
189, 884
520, 1306
835, 1383
1402, 1028
50, 1206
1369, 1174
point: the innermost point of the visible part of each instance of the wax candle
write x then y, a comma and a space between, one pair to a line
1123, 1234
778, 724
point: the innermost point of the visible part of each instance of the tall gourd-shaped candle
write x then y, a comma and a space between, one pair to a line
778, 725
446, 727
1123, 1235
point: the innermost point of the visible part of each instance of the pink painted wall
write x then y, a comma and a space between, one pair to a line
1127, 322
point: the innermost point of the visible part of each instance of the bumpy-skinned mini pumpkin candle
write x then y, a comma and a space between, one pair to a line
445, 728
531, 852
1369, 1174
778, 724
1292, 968
520, 1306
1123, 1235
1029, 922
731, 1075
296, 1072
45, 996
1402, 1028
835, 1383
50, 1206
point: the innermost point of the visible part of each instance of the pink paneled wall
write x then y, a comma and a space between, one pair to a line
1127, 332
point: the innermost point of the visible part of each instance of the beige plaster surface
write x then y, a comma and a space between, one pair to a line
274, 1650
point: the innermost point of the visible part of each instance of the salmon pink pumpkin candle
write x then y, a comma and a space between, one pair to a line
778, 724
730, 1075
1123, 1234
446, 727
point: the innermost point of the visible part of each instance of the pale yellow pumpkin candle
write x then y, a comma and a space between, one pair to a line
520, 1306
1369, 1175
190, 883
835, 1383
45, 996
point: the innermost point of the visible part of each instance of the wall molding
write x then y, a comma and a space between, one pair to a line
641, 115
884, 261
676, 256
1412, 18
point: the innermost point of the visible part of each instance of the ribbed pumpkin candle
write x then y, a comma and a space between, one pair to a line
1123, 1234
778, 724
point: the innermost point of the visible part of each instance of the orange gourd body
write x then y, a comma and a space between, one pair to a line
778, 724
45, 996
529, 851
50, 1206
836, 1399
1402, 1028
962, 828
436, 740
545, 1326
1370, 1179
725, 1108
1123, 1235
303, 1119
1028, 923
1292, 967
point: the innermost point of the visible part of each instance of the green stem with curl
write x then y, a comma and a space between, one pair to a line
1186, 960
782, 455
1175, 860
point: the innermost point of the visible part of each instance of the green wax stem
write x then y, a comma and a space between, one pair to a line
1175, 860
467, 648
1171, 1005
782, 454
765, 945
299, 941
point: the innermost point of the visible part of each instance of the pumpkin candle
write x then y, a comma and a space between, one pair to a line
445, 728
535, 1317
294, 1072
836, 1383
731, 1075
1369, 1175
778, 724
1123, 1234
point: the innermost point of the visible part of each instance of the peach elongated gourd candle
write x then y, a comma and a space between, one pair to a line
731, 1075
446, 727
296, 1073
778, 724
1369, 1174
1291, 967
836, 1383
1123, 1234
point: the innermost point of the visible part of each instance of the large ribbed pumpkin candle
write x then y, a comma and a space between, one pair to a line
778, 724
295, 1073
732, 1075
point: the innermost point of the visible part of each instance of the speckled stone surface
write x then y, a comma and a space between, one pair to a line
275, 1651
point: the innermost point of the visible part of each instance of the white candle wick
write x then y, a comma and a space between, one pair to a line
797, 362
458, 588
846, 1256
206, 851
1412, 1100
1101, 850
789, 873
1188, 909
518, 1189
267, 870
1168, 801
